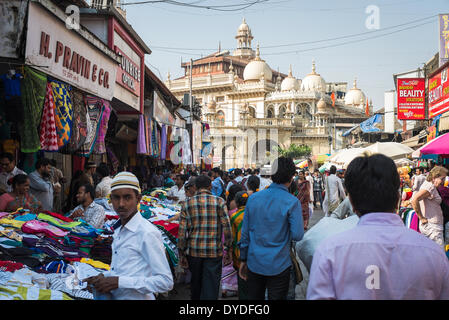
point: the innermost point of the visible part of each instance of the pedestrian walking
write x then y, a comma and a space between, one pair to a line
273, 218
317, 188
312, 199
379, 258
304, 197
253, 184
427, 205
139, 266
335, 192
203, 220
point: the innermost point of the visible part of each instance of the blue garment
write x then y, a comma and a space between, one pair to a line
217, 187
273, 218
12, 86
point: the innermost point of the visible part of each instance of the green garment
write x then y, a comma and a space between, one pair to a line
33, 88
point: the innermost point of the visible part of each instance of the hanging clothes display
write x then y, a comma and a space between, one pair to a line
154, 139
186, 151
12, 98
169, 143
112, 157
163, 142
79, 123
93, 117
63, 111
33, 89
149, 127
141, 137
147, 136
100, 147
48, 134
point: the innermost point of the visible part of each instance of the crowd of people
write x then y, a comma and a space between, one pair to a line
246, 222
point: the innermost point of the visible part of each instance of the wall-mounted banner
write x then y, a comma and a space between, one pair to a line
411, 98
444, 38
64, 54
438, 94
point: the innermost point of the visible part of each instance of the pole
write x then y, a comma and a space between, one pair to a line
191, 113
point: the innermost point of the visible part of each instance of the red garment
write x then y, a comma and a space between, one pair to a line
10, 266
173, 228
57, 215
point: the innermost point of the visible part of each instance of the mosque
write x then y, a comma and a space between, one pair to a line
252, 109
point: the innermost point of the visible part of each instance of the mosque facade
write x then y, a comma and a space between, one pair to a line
252, 109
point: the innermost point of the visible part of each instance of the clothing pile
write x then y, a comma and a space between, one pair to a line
410, 218
45, 256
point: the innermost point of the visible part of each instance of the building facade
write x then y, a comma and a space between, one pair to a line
252, 109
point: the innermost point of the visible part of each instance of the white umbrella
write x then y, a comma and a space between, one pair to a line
393, 150
403, 162
345, 156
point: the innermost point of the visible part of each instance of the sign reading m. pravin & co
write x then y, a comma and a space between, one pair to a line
64, 54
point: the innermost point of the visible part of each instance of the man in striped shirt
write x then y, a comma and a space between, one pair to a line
203, 220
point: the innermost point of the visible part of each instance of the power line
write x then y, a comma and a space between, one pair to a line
237, 7
305, 42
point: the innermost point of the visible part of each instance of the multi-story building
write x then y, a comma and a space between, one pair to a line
252, 109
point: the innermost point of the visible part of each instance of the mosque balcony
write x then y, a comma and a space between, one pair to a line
266, 123
312, 132
293, 95
203, 82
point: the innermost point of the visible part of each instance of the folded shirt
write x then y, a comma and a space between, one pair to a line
58, 222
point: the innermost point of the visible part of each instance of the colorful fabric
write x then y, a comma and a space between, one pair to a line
11, 223
79, 123
31, 293
93, 117
48, 134
163, 142
203, 219
141, 137
34, 85
10, 266
59, 216
63, 111
26, 217
113, 159
100, 146
57, 222
304, 197
236, 225
96, 264
11, 234
36, 227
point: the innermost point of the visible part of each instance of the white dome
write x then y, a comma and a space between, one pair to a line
243, 27
313, 81
355, 96
257, 69
290, 83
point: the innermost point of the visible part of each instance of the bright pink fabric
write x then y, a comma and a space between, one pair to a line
36, 226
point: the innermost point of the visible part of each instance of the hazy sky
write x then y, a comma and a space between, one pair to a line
283, 22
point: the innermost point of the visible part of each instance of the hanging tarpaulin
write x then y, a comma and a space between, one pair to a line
94, 115
141, 137
48, 135
63, 111
33, 89
100, 147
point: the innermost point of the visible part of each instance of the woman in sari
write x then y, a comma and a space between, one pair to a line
304, 197
21, 197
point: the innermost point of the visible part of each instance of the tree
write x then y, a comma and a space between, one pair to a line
294, 151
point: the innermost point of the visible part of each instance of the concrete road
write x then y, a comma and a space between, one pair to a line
182, 290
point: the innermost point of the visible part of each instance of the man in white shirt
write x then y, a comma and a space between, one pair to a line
238, 178
139, 266
418, 179
310, 179
177, 192
9, 171
335, 192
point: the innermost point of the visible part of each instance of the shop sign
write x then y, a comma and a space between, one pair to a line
444, 38
438, 94
432, 133
160, 112
62, 53
128, 73
411, 98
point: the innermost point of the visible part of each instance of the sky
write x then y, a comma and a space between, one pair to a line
403, 38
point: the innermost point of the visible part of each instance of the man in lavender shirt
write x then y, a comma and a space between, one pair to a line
379, 258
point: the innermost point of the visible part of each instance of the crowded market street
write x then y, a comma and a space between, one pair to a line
236, 151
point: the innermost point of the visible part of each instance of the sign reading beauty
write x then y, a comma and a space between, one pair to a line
438, 94
411, 98
62, 53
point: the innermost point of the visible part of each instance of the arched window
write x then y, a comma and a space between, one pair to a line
252, 111
220, 118
270, 113
282, 111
